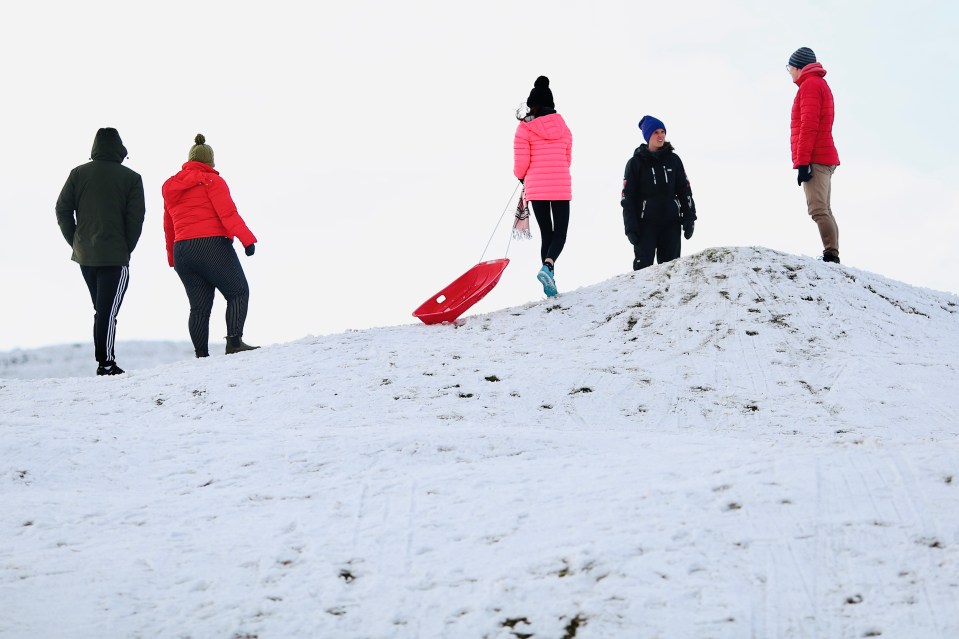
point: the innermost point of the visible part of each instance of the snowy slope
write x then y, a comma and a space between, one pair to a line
741, 443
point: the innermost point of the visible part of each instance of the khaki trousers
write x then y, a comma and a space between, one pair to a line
818, 192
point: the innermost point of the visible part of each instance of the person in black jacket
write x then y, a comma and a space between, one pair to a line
100, 212
657, 200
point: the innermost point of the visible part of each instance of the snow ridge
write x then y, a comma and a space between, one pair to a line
740, 443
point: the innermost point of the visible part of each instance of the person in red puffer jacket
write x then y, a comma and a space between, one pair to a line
814, 153
200, 221
542, 153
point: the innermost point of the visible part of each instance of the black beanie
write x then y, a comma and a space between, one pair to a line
802, 57
541, 96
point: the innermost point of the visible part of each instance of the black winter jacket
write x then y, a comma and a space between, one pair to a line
101, 206
655, 191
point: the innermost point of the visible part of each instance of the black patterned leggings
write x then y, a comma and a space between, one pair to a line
206, 265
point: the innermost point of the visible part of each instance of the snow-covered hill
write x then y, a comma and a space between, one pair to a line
741, 443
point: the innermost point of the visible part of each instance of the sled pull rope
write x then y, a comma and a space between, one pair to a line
497, 226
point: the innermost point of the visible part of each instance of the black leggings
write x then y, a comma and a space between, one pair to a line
551, 228
206, 265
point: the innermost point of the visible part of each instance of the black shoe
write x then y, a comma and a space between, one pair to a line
237, 345
203, 353
828, 256
109, 368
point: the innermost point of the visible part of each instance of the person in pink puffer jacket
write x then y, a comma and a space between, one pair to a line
542, 153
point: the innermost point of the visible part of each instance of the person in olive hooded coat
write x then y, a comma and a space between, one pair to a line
100, 212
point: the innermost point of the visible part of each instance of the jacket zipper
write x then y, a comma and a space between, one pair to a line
652, 169
665, 174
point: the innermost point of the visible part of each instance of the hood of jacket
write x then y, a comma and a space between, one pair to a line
548, 127
809, 71
191, 174
642, 151
108, 146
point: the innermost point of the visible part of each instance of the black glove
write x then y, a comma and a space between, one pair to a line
249, 250
805, 174
688, 229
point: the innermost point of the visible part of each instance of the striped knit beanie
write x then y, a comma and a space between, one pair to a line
201, 151
802, 57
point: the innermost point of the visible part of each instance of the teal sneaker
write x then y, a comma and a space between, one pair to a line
545, 277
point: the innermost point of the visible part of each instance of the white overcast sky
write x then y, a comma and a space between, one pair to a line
368, 145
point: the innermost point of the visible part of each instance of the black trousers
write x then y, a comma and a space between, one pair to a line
107, 285
206, 265
552, 228
657, 241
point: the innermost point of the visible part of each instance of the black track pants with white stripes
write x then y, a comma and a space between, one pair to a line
206, 265
108, 285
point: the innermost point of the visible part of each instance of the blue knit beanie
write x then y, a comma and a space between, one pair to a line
649, 124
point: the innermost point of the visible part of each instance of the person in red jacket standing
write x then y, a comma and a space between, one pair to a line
200, 221
814, 154
542, 153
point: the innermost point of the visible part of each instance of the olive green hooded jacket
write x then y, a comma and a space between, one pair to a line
101, 207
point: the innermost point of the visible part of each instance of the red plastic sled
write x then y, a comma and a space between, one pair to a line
463, 292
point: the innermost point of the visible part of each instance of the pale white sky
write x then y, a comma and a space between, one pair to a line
368, 145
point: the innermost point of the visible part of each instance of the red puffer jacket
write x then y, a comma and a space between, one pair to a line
542, 153
197, 203
812, 116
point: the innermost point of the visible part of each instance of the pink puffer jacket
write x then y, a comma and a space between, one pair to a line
542, 153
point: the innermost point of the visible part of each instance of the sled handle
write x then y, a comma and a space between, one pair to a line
513, 195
